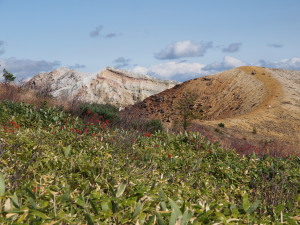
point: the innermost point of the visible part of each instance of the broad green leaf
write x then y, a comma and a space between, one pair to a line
163, 206
160, 220
175, 208
137, 210
2, 184
22, 217
162, 195
293, 221
246, 203
220, 216
15, 200
279, 208
38, 213
150, 220
187, 215
80, 202
104, 206
67, 150
253, 207
94, 207
32, 203
89, 219
120, 189
173, 218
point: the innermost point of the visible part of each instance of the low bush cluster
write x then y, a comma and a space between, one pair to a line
61, 169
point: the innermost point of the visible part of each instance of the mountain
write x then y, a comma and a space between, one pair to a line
253, 103
114, 86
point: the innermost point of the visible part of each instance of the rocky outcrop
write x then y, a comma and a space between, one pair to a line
114, 86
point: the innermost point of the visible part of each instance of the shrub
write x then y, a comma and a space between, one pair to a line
153, 125
107, 111
185, 106
8, 77
221, 125
52, 173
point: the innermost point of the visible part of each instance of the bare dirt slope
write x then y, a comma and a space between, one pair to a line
254, 103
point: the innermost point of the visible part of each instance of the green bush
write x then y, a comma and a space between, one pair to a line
52, 171
153, 125
107, 111
221, 125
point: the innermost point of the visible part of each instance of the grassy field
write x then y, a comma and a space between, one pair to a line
56, 168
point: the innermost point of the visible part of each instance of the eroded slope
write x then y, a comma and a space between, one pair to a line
244, 99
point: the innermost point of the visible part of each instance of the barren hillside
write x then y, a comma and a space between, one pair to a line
114, 86
254, 103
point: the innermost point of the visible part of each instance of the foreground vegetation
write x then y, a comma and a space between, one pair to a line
56, 168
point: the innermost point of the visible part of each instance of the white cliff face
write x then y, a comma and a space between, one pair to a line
114, 86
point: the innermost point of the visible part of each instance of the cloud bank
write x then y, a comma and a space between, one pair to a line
227, 63
77, 66
121, 62
173, 70
1, 47
290, 64
24, 68
183, 49
275, 45
234, 47
96, 32
182, 71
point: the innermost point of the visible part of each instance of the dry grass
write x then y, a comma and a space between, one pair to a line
21, 93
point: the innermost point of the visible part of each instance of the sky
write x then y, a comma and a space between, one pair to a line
168, 39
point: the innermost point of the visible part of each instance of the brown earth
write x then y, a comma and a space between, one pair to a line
257, 105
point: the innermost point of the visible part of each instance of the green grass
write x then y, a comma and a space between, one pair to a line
59, 169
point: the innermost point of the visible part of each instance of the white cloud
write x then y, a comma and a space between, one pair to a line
23, 68
182, 71
183, 49
140, 70
227, 63
292, 64
172, 70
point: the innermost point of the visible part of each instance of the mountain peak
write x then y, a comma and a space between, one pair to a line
111, 85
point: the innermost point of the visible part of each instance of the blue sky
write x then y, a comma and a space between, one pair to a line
169, 39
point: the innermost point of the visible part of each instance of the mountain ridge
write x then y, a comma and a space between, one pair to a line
111, 85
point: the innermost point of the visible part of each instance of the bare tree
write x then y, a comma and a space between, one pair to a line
187, 108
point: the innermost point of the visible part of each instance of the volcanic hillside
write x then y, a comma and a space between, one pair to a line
252, 102
114, 86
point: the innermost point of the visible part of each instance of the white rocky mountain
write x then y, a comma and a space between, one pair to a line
114, 86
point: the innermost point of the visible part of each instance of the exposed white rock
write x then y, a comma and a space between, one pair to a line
114, 86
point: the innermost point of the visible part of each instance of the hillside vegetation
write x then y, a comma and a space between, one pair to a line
57, 168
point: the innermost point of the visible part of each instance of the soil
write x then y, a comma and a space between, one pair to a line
257, 105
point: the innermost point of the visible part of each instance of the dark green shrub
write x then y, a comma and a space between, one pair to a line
221, 125
107, 111
153, 125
